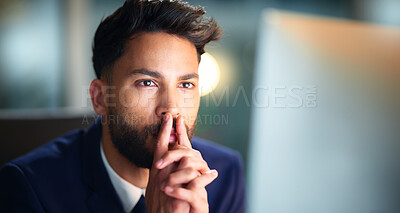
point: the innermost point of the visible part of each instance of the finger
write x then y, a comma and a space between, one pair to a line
163, 137
180, 177
180, 193
163, 174
182, 133
175, 156
195, 163
203, 180
197, 199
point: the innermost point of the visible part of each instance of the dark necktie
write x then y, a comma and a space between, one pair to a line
140, 206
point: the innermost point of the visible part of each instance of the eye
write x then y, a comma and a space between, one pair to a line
147, 83
186, 85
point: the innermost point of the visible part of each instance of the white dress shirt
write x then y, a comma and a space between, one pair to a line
128, 193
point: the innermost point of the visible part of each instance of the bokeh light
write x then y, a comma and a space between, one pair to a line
209, 73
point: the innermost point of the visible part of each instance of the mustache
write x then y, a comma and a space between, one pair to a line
155, 129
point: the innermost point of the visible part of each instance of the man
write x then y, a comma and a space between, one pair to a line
141, 154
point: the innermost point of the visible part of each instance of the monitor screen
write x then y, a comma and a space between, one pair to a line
325, 125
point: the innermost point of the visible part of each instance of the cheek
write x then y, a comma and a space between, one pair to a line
129, 97
190, 113
147, 98
191, 119
190, 99
138, 106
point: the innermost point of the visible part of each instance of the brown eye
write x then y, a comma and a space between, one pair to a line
147, 83
186, 85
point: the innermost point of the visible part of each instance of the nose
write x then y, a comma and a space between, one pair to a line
168, 103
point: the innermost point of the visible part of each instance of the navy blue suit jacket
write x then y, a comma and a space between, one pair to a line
68, 175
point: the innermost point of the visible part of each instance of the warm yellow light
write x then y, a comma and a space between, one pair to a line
209, 74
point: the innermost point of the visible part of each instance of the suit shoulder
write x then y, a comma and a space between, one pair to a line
16, 192
46, 154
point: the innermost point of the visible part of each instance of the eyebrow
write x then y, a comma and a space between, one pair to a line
158, 75
145, 72
188, 76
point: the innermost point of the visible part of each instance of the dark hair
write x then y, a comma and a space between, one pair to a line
137, 16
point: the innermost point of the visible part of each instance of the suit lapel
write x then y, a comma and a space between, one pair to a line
103, 196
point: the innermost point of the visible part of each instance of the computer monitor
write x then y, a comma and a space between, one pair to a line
325, 124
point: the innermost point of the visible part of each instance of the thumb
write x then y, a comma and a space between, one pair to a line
163, 138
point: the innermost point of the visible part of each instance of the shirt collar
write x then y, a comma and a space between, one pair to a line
127, 192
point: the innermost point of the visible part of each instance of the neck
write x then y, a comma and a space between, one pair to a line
121, 165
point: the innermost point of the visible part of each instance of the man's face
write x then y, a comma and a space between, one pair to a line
157, 73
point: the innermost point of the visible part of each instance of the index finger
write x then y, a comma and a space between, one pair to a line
181, 132
163, 137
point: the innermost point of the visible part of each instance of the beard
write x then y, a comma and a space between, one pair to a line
134, 143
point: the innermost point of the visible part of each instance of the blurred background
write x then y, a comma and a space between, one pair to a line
317, 156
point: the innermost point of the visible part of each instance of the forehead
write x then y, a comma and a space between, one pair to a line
168, 54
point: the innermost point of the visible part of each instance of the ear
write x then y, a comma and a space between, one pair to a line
97, 94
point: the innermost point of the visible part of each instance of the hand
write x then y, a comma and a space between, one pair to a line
191, 175
156, 200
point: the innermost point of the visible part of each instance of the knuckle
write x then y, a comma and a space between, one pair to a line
205, 164
197, 153
185, 162
184, 149
188, 151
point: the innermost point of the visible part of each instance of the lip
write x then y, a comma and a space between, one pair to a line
172, 138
